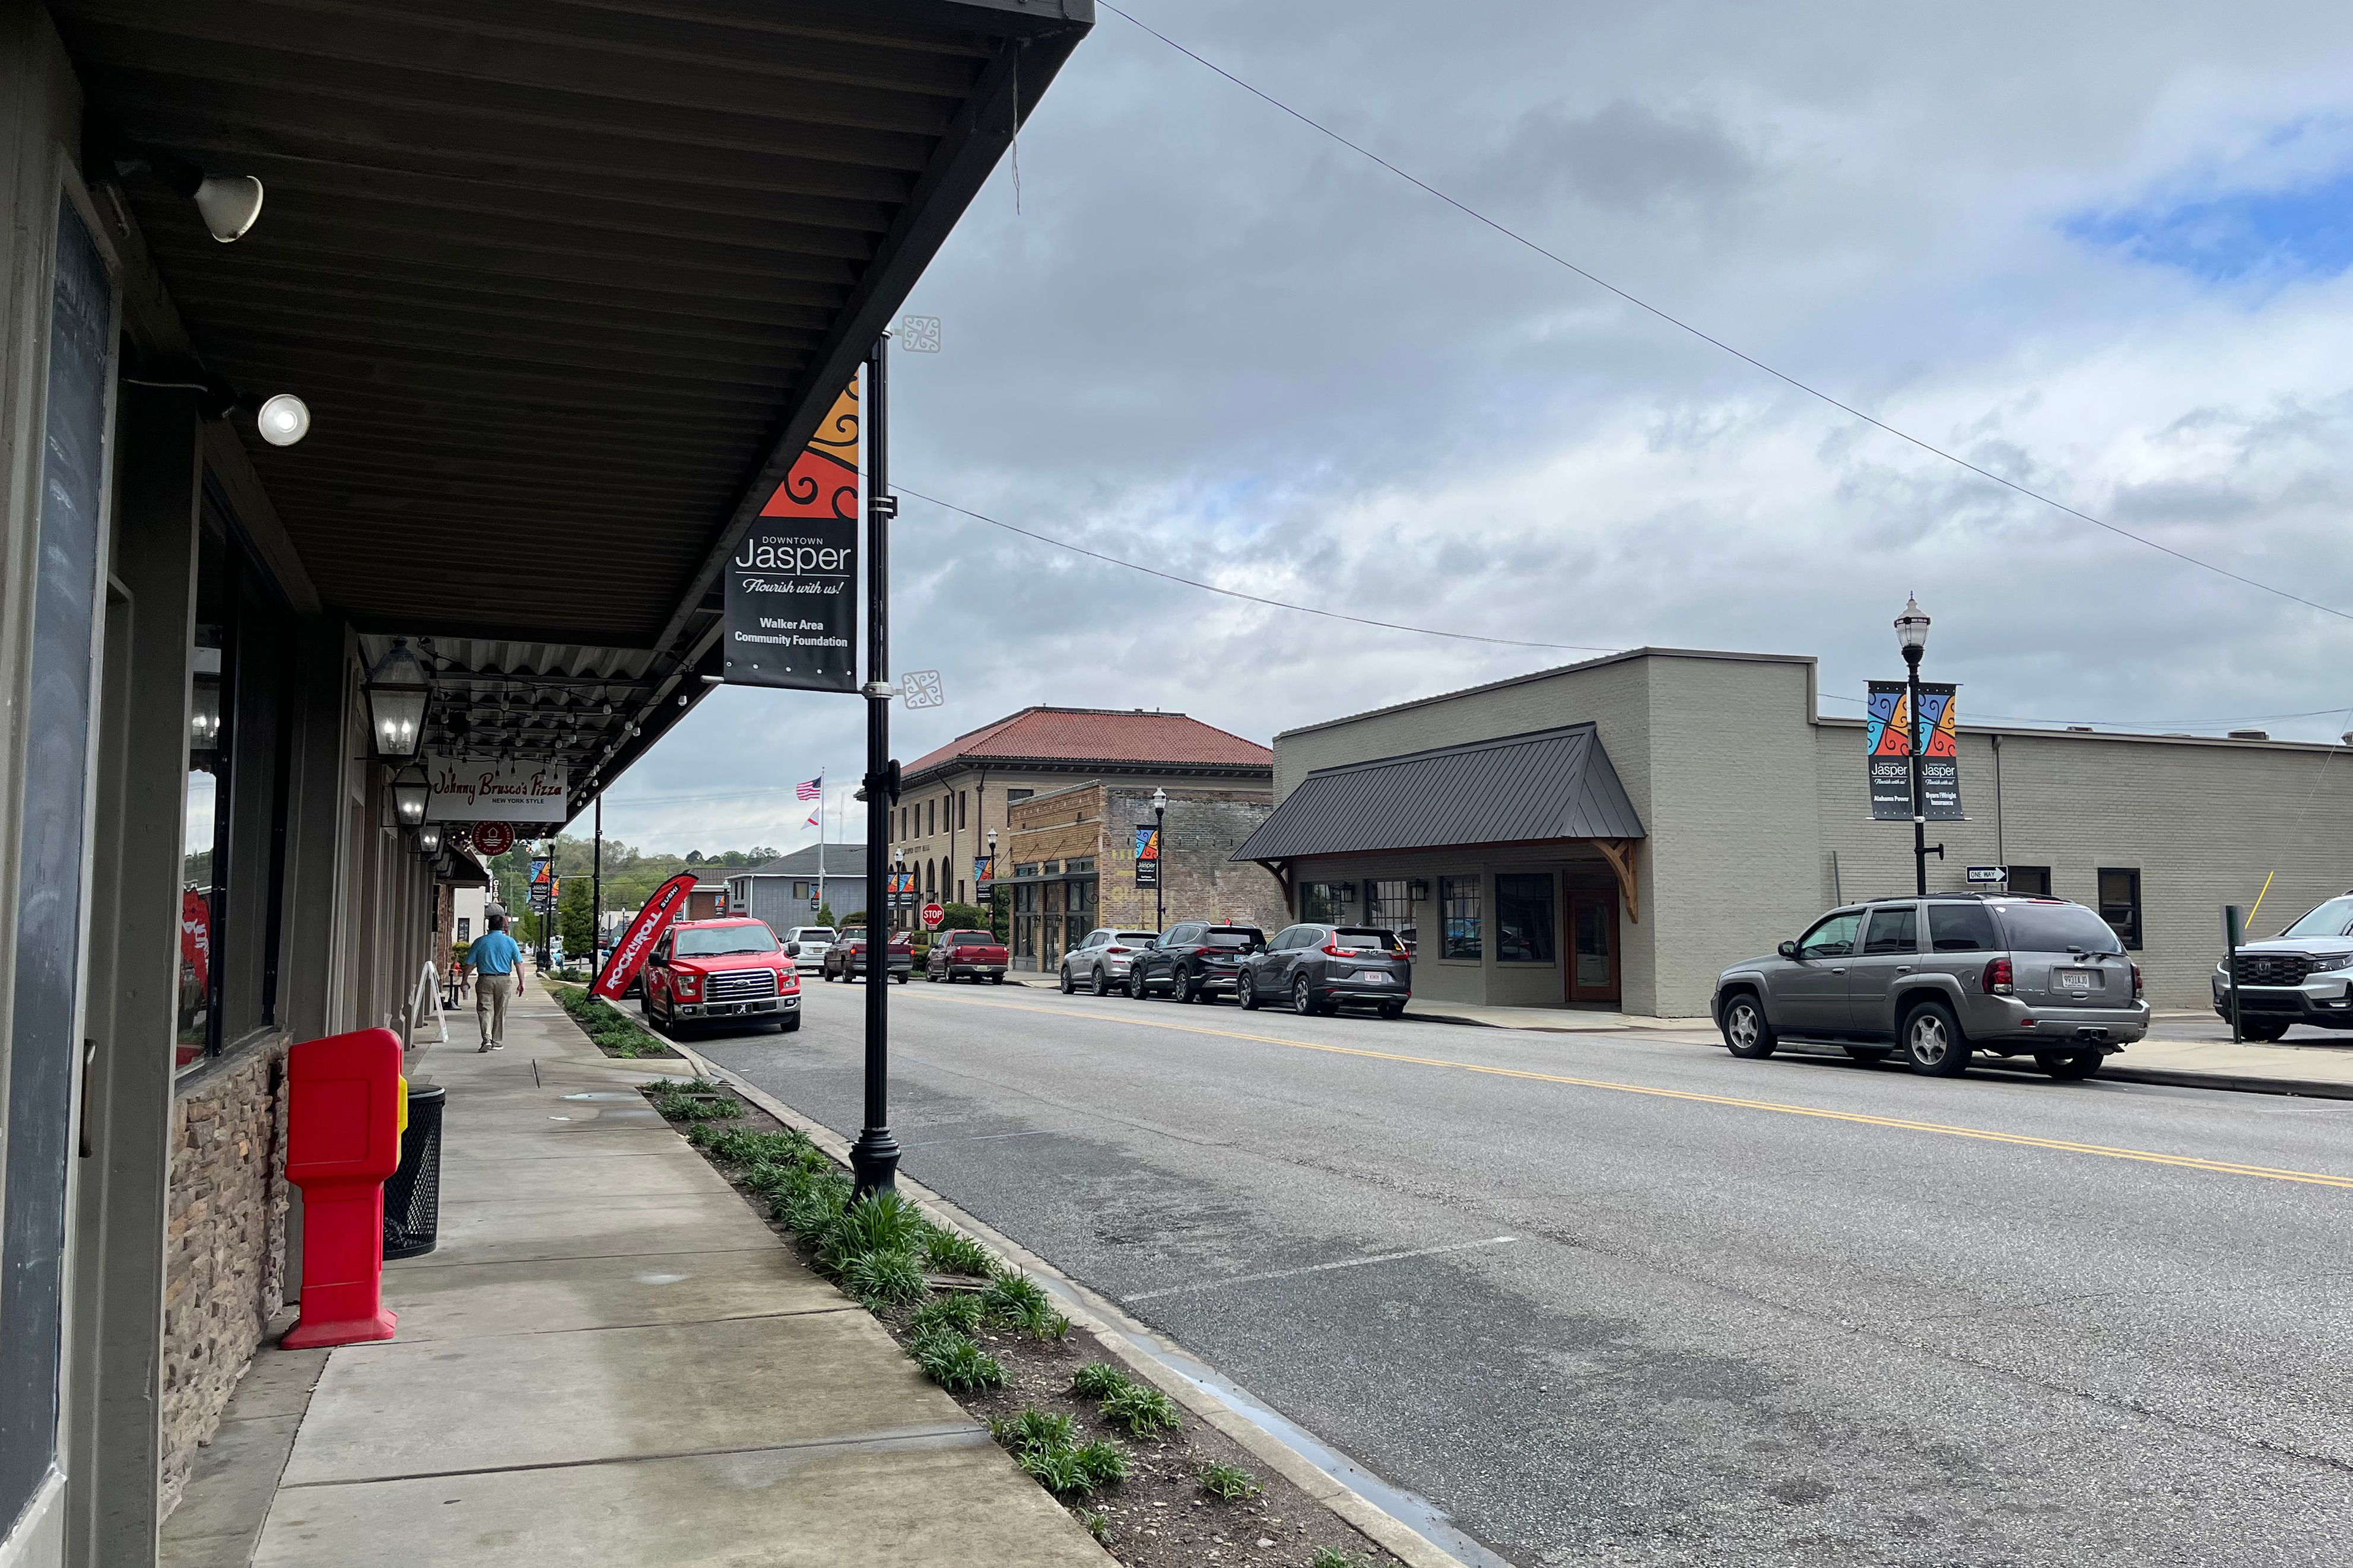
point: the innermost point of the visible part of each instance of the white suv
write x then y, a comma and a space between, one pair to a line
2304, 976
806, 944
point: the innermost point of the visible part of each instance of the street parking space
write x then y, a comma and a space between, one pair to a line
1601, 1297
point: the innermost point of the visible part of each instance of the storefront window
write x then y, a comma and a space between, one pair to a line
1319, 903
1388, 904
1025, 925
1458, 902
1523, 929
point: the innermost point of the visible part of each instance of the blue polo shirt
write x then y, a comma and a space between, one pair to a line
493, 952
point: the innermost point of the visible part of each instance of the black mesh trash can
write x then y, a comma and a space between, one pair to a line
412, 1196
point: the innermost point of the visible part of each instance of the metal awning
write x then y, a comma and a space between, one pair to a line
566, 283
1550, 786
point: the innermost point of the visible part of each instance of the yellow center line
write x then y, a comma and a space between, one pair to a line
2019, 1140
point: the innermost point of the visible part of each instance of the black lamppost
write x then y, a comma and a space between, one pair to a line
1912, 636
874, 1158
1160, 859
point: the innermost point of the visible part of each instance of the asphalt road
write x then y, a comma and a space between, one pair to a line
1790, 1311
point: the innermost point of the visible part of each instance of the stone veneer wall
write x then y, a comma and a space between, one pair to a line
225, 1245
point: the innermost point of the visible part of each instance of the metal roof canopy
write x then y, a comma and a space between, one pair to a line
1546, 787
566, 283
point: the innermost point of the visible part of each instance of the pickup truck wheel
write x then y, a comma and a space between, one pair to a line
1067, 987
1933, 1042
1135, 987
1746, 1032
789, 1025
1101, 985
901, 977
993, 979
1869, 1054
2069, 1066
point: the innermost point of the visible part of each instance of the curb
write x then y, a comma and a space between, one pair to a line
1114, 1328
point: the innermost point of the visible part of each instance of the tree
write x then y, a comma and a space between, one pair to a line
825, 915
857, 919
575, 918
963, 917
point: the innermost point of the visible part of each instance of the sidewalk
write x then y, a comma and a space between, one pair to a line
610, 1359
2319, 1065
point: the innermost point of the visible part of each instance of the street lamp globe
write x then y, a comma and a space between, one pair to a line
1159, 800
1911, 629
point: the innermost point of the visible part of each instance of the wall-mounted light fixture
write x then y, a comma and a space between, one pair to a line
410, 792
428, 839
398, 690
1417, 890
229, 203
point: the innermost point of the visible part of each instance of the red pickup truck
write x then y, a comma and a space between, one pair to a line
720, 970
956, 954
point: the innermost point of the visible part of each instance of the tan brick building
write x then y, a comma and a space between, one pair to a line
1071, 862
953, 798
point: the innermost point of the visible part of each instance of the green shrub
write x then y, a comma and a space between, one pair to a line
953, 1252
1229, 1483
1059, 1471
1098, 1379
878, 1222
956, 1364
1144, 1411
1017, 1301
886, 1277
1103, 1462
811, 1201
695, 1100
1035, 1428
958, 1310
1333, 1557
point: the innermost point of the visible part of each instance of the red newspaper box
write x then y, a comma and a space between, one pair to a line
344, 1104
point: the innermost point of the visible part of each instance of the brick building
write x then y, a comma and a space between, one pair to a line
953, 799
1071, 864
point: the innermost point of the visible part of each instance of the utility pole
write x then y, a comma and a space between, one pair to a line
874, 1158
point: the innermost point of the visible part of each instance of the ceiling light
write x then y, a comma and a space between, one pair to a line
229, 205
398, 690
283, 420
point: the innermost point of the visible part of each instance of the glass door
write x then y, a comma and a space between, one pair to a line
1593, 944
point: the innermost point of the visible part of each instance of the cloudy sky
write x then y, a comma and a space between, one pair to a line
2101, 249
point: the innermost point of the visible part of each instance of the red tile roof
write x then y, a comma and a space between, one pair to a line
1100, 735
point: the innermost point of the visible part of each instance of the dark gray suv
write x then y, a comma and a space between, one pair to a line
1941, 978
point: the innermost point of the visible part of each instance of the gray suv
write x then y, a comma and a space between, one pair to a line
2300, 977
1940, 978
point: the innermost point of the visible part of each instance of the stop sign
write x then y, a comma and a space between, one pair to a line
933, 916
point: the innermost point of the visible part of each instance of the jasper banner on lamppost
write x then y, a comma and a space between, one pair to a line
792, 583
1889, 745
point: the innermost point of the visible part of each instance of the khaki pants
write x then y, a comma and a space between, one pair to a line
492, 992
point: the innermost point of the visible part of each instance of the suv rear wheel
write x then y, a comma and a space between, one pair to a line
1933, 1042
1746, 1032
2069, 1066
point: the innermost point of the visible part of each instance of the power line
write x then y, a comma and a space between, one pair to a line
1236, 593
1811, 391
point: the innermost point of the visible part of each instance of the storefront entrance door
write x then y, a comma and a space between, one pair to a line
1593, 944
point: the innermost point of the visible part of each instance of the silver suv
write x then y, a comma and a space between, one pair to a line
1940, 978
2298, 977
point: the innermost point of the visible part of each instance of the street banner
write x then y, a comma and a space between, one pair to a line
792, 583
1147, 856
485, 789
629, 954
1888, 742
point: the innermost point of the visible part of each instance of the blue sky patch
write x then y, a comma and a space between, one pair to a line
2304, 231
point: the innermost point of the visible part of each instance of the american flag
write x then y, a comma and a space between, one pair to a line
811, 790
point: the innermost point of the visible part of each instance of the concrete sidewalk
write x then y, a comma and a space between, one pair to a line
2173, 1053
608, 1359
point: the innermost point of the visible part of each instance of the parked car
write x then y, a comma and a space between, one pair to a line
960, 954
1194, 959
1101, 960
1941, 979
806, 944
845, 959
2300, 977
1318, 967
702, 971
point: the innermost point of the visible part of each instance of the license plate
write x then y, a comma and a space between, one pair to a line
1379, 977
2078, 981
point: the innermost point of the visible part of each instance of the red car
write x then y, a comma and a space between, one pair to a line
723, 969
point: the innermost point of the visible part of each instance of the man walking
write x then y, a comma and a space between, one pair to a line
494, 959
